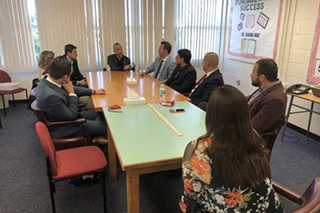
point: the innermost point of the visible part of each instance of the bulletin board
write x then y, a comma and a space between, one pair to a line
254, 28
314, 64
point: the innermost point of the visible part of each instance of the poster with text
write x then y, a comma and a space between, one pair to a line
254, 28
314, 64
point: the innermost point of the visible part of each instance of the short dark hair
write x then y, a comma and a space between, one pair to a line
185, 54
167, 46
68, 48
115, 44
60, 67
268, 68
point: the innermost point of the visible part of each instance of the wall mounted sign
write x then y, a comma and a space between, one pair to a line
254, 28
314, 64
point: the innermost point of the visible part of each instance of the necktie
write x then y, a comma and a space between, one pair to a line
197, 84
158, 71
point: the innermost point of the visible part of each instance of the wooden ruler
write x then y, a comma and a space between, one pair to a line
165, 120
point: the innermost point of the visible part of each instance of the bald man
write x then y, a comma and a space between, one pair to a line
212, 79
118, 61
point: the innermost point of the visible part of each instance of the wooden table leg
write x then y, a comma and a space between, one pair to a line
112, 161
133, 200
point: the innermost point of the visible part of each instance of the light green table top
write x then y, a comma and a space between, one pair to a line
141, 136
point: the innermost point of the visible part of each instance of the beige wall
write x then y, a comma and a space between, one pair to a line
298, 25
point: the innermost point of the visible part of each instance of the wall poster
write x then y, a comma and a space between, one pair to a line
314, 64
254, 28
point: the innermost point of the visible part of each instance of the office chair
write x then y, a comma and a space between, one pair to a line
5, 78
64, 142
69, 163
310, 200
270, 137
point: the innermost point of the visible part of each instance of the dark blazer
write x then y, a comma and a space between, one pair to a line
203, 92
112, 61
59, 106
268, 109
76, 74
182, 79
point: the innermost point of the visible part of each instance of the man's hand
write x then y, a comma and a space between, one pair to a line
99, 91
142, 73
69, 86
82, 82
136, 65
127, 67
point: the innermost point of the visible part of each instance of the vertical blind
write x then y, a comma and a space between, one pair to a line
195, 27
63, 22
95, 25
143, 20
16, 36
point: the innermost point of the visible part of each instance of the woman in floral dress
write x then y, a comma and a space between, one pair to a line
227, 170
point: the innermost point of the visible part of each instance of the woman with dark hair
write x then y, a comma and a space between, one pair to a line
227, 169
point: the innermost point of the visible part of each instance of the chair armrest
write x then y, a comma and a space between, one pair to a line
288, 193
61, 123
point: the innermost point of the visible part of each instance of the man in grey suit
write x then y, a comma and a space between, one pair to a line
163, 65
58, 98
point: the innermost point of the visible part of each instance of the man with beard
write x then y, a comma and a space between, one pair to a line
267, 104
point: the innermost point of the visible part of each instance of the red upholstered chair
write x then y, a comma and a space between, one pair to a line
65, 142
5, 78
65, 164
309, 202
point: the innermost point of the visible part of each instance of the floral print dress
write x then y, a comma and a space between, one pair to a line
205, 192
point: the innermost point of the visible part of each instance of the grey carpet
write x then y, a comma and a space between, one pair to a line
24, 187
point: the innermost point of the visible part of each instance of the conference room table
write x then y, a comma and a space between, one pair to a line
144, 143
137, 135
116, 88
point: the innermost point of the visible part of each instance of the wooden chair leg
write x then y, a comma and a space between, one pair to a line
104, 191
14, 103
4, 106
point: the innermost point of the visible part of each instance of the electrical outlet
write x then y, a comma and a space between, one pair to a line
238, 82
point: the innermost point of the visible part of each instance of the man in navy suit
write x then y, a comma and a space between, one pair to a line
76, 77
163, 65
58, 98
212, 79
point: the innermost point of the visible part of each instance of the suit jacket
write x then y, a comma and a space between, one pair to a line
183, 79
76, 74
112, 61
59, 106
167, 68
268, 109
203, 92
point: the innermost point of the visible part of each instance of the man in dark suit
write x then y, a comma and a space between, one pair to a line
118, 61
163, 65
58, 98
267, 105
184, 75
76, 77
212, 79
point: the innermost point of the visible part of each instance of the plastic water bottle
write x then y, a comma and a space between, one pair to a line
162, 94
108, 72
